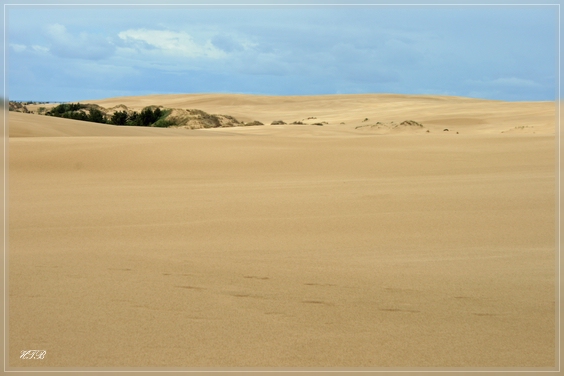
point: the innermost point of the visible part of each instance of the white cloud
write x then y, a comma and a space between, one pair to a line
83, 46
22, 47
284, 51
58, 32
232, 42
40, 48
171, 43
18, 47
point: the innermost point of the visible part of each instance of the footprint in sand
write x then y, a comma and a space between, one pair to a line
255, 277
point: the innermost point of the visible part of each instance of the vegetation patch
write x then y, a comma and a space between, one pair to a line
18, 106
150, 116
198, 119
253, 123
406, 124
78, 111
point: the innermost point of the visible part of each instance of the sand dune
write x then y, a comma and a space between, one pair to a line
28, 125
286, 245
435, 112
432, 111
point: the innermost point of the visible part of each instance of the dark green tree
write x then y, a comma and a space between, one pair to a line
76, 115
132, 119
119, 118
64, 108
96, 116
146, 117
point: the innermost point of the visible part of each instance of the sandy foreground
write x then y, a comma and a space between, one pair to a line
286, 245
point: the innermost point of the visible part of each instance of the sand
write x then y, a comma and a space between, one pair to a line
286, 245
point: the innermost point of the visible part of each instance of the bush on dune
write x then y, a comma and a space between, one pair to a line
65, 108
96, 116
77, 111
146, 118
150, 116
119, 118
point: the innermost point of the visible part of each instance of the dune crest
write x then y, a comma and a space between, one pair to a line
348, 112
466, 115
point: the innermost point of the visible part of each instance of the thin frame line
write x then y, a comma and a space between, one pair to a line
284, 5
559, 193
5, 202
287, 5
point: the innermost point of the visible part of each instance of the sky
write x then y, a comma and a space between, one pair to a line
76, 53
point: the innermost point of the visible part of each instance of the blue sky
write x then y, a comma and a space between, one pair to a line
57, 53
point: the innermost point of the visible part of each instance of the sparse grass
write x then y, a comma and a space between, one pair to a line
162, 122
149, 116
253, 123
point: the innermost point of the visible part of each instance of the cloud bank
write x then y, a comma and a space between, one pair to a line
499, 53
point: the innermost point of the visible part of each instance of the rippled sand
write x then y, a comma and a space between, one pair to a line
339, 245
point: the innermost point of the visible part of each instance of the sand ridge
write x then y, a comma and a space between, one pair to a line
434, 112
286, 245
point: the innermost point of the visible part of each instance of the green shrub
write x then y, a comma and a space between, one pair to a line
132, 118
146, 118
65, 108
163, 123
76, 115
119, 118
96, 116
